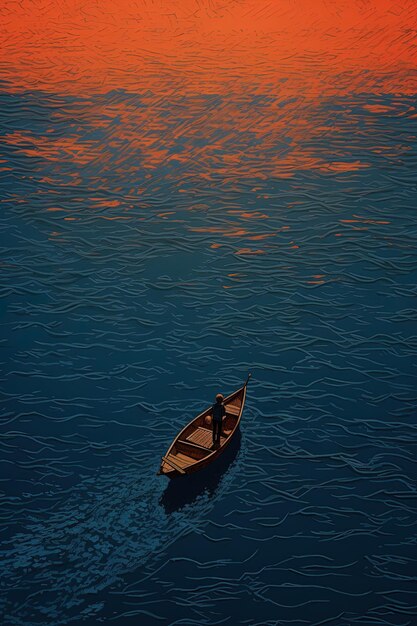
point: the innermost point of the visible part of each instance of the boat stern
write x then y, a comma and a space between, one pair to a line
166, 469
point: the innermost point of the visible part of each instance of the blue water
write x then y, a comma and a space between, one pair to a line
163, 275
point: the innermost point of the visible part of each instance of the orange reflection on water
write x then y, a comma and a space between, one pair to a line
249, 251
178, 136
343, 166
52, 149
260, 237
206, 46
248, 216
236, 233
114, 217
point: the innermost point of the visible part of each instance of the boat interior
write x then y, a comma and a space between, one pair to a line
196, 440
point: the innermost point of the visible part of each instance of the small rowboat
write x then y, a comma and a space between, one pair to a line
192, 449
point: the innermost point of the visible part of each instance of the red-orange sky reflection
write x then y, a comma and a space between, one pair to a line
209, 45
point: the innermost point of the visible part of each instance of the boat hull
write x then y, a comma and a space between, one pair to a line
199, 466
192, 449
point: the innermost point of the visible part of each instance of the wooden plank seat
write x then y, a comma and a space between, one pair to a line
203, 437
182, 460
232, 410
186, 442
172, 463
190, 445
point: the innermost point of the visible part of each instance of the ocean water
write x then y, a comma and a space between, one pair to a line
154, 250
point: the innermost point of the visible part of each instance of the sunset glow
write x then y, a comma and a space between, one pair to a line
209, 46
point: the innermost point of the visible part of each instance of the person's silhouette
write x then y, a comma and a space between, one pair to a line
219, 412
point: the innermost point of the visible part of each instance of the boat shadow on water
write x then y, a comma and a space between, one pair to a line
184, 490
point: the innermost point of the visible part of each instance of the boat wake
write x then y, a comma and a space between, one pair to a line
110, 525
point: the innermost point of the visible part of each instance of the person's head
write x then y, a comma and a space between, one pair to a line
219, 398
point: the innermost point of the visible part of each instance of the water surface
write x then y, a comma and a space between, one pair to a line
156, 245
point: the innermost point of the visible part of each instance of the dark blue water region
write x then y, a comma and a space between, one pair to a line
136, 283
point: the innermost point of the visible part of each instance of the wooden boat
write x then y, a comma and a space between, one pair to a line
192, 449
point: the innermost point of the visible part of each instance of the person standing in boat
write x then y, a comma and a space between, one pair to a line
218, 412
